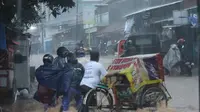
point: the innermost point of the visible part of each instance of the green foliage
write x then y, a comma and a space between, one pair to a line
29, 10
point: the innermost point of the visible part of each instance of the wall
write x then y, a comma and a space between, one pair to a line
190, 3
102, 16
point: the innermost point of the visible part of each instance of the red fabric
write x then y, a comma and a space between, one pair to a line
45, 94
160, 66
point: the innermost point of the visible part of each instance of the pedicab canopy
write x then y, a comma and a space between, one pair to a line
149, 64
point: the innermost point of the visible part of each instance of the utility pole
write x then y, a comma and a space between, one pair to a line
42, 28
77, 15
198, 39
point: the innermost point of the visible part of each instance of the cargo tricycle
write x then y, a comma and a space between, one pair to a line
139, 83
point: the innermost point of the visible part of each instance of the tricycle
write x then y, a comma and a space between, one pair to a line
139, 83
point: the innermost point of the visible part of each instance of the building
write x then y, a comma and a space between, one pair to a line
89, 20
68, 25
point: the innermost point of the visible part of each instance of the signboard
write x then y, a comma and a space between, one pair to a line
125, 62
180, 17
91, 30
189, 3
120, 63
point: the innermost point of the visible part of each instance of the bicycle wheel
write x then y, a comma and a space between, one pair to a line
99, 100
151, 96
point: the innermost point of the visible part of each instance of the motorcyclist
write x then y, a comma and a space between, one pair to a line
60, 61
184, 58
44, 94
181, 46
130, 50
74, 90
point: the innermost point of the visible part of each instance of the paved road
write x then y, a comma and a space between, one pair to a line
184, 91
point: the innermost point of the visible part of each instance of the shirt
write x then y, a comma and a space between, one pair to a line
94, 72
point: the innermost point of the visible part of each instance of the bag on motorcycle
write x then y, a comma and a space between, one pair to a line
45, 95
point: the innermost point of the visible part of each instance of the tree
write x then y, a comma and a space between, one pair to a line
29, 10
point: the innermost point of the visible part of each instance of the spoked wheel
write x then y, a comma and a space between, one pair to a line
99, 100
151, 96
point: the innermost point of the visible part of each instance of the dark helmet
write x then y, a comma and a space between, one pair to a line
62, 52
48, 59
71, 58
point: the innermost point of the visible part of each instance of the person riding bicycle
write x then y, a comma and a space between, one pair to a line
94, 73
59, 61
74, 90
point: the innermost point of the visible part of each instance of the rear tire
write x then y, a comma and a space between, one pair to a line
94, 93
146, 99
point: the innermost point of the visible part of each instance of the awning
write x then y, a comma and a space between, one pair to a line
164, 20
151, 8
171, 26
115, 27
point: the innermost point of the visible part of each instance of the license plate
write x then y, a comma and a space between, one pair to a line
3, 82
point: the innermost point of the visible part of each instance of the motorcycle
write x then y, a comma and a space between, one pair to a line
173, 63
80, 52
187, 67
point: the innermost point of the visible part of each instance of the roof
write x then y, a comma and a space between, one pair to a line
154, 7
118, 26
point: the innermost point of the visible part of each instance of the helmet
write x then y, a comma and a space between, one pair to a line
128, 44
181, 41
48, 59
62, 52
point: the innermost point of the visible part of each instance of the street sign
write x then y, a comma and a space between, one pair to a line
180, 17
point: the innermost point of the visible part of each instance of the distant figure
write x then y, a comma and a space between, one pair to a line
81, 43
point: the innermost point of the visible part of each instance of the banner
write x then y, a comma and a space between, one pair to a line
125, 62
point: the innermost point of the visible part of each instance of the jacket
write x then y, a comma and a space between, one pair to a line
59, 62
78, 72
